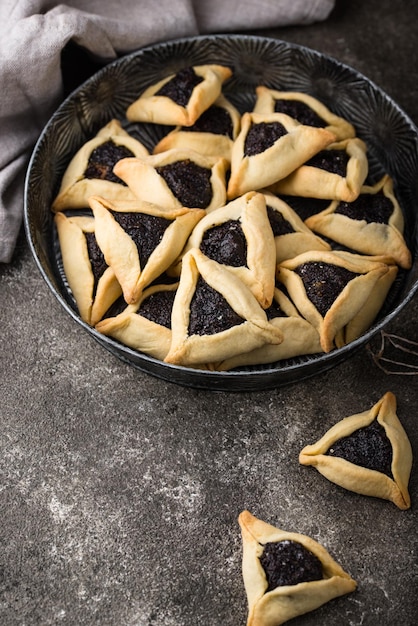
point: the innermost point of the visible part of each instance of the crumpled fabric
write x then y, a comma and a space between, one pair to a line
34, 33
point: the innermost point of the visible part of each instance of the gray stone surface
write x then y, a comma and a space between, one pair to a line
120, 492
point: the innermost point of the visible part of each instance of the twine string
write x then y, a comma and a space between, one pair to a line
395, 352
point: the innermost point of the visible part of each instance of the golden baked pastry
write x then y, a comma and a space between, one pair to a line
146, 325
270, 147
213, 133
338, 292
291, 235
92, 282
304, 108
335, 173
368, 453
276, 590
372, 224
177, 178
299, 337
90, 171
367, 314
215, 316
180, 98
238, 235
140, 244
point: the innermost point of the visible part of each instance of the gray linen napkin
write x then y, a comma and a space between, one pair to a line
33, 34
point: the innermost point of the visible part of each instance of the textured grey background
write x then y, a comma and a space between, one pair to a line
120, 493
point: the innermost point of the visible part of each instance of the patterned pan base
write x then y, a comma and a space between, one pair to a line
391, 137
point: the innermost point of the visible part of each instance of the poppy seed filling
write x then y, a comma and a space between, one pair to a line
368, 207
332, 161
300, 112
214, 120
226, 243
367, 447
189, 182
288, 562
96, 257
279, 225
157, 307
210, 313
323, 282
180, 87
146, 231
262, 136
274, 310
103, 159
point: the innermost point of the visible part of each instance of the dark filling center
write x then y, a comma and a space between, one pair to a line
97, 260
289, 563
333, 161
210, 313
145, 230
190, 183
279, 225
262, 136
226, 243
305, 207
368, 447
116, 308
323, 282
214, 120
180, 87
274, 310
300, 112
157, 307
103, 159
368, 207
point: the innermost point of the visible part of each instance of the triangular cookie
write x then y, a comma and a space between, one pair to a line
140, 244
276, 590
338, 292
90, 171
180, 98
238, 235
371, 224
93, 284
368, 453
215, 315
270, 147
304, 108
335, 173
177, 178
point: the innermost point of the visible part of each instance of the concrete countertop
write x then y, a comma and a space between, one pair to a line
120, 492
